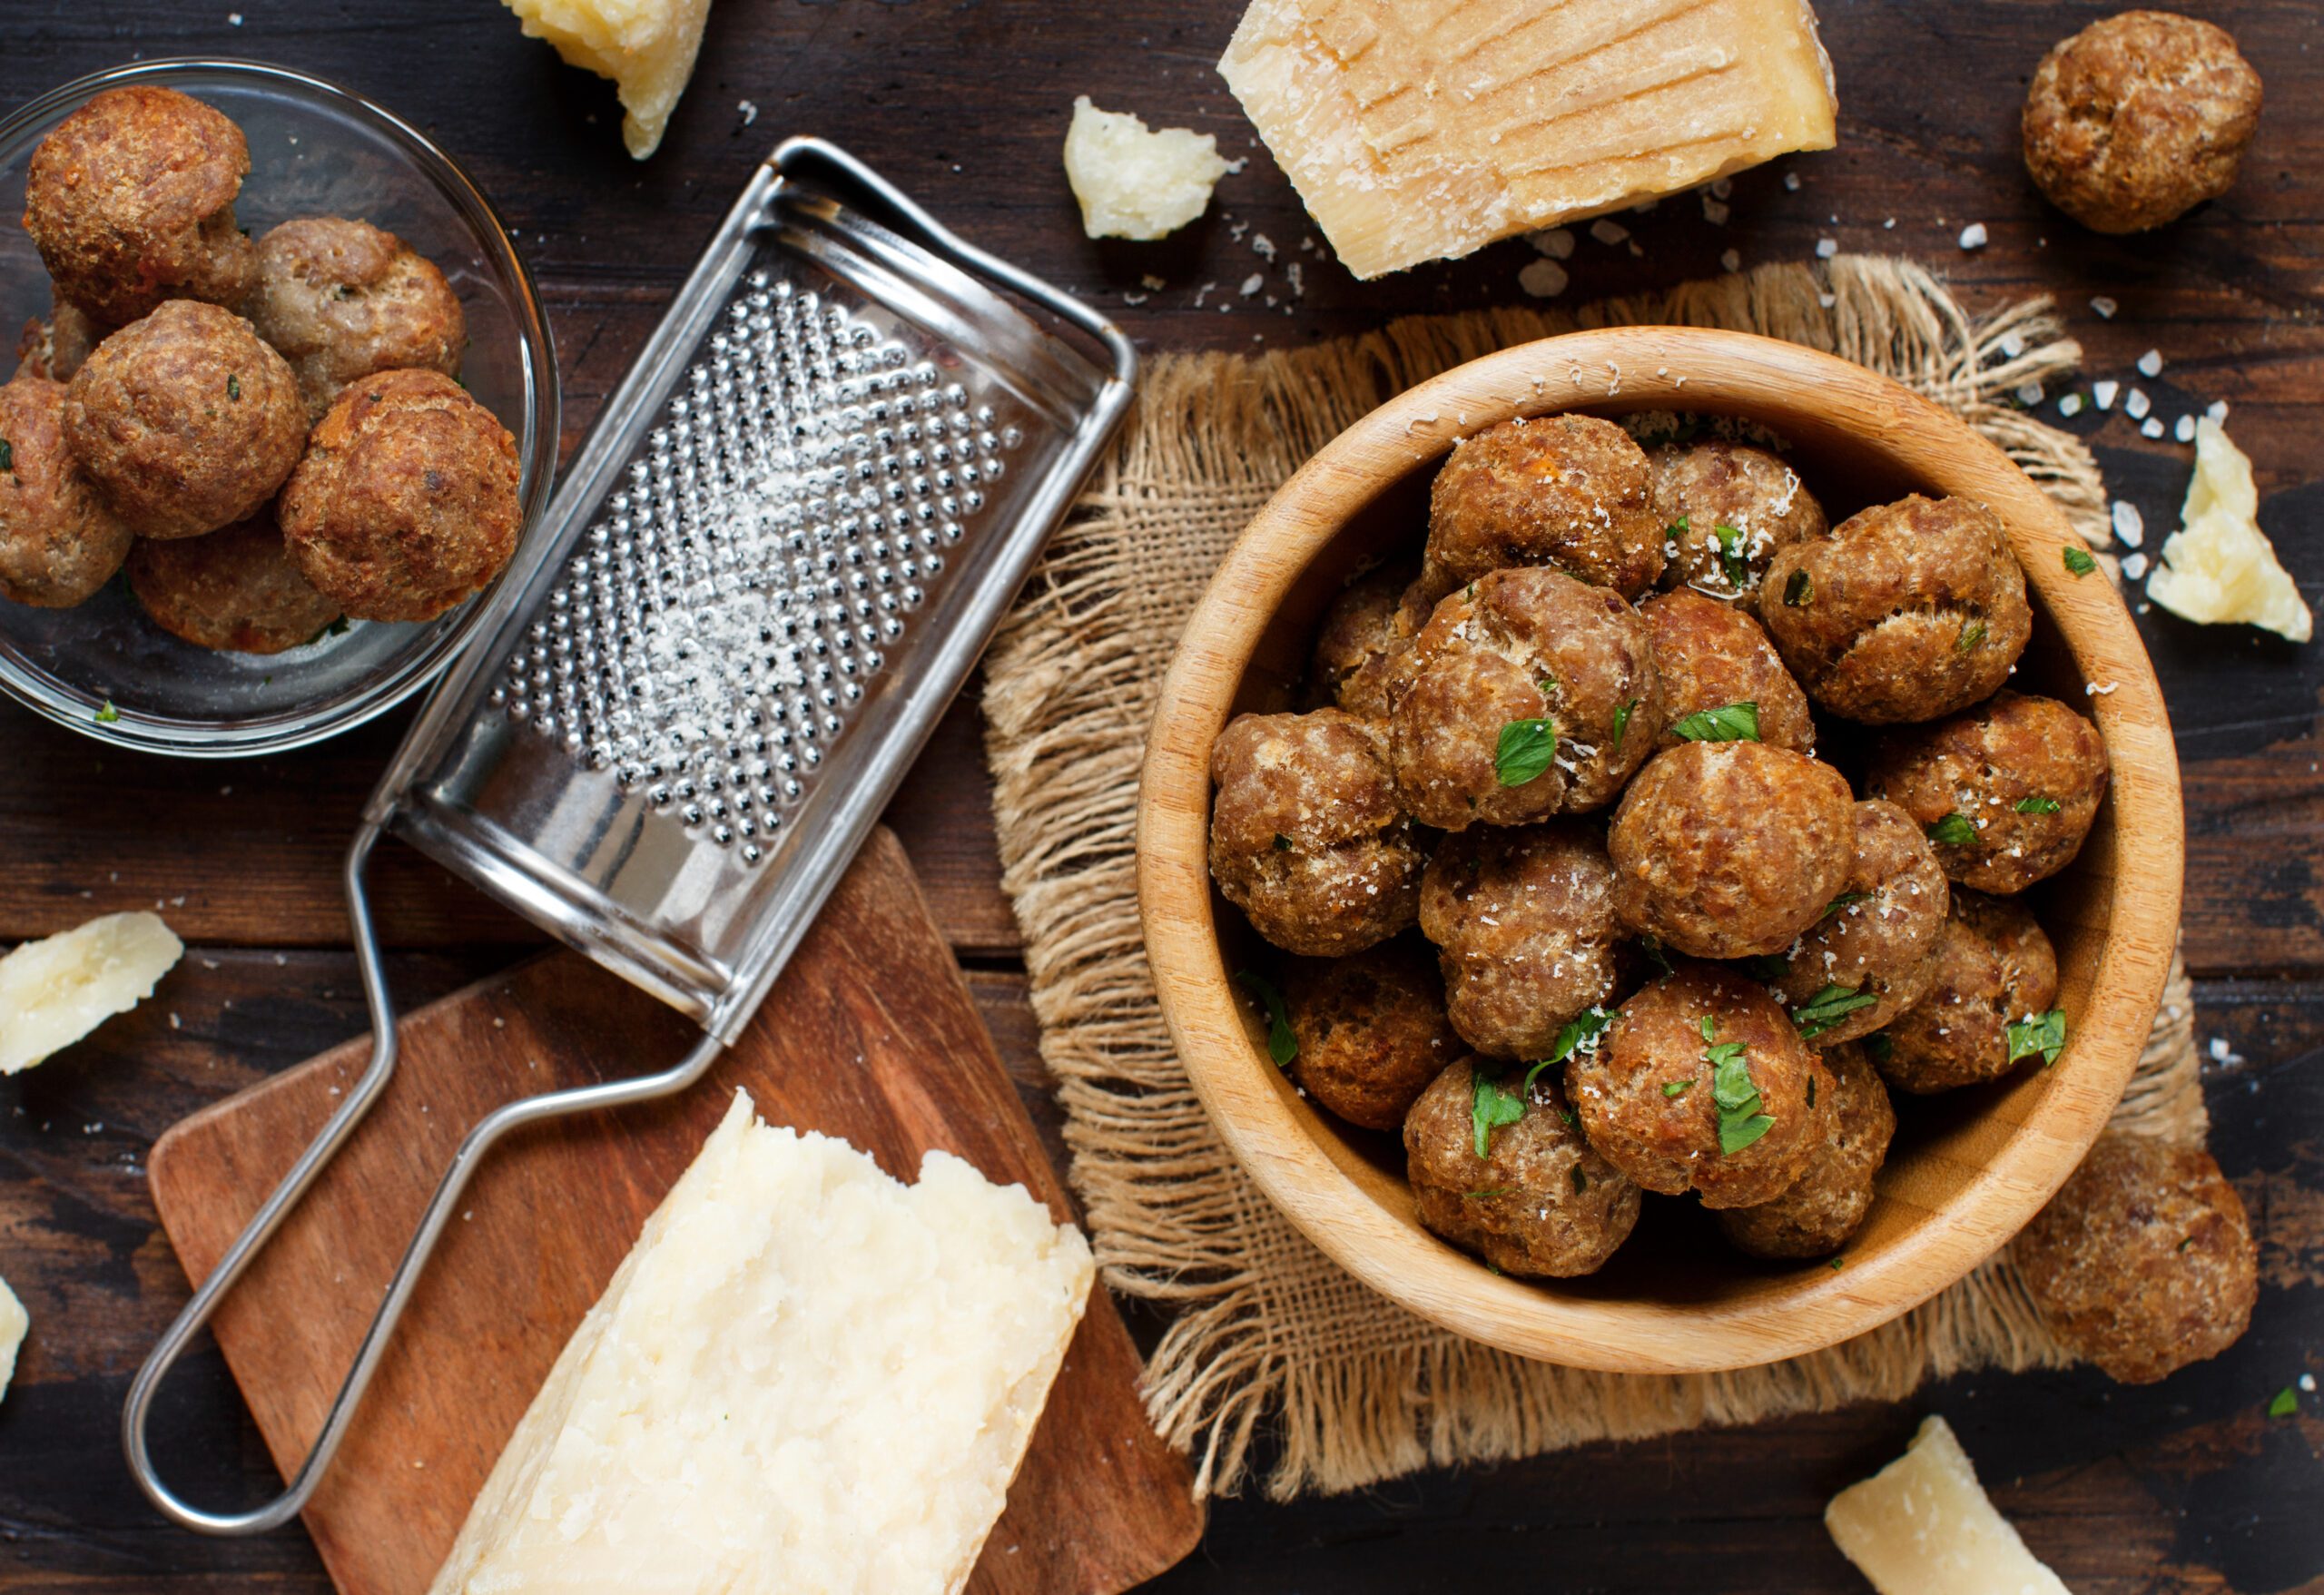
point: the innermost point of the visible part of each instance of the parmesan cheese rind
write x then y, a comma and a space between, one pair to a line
2218, 565
1134, 182
1922, 1525
805, 1377
646, 47
13, 1322
1421, 128
55, 990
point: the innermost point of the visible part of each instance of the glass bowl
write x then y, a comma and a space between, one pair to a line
103, 667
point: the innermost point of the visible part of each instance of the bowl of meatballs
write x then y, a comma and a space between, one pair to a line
1659, 851
284, 405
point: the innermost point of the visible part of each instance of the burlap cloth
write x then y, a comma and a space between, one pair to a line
1266, 1330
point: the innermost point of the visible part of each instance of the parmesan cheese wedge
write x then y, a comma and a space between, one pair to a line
2218, 565
55, 990
13, 1322
1922, 1525
1420, 129
805, 1377
646, 47
1134, 182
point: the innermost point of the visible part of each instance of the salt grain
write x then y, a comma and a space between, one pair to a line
2129, 524
1730, 260
2133, 566
2185, 430
1543, 278
1608, 233
748, 112
1972, 237
2012, 344
1716, 212
2217, 412
2030, 395
2102, 393
2151, 426
1825, 248
2151, 363
1557, 244
2105, 306
2070, 404
1251, 285
1791, 181
2135, 404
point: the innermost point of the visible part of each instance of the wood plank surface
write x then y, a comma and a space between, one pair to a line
869, 1035
2180, 1487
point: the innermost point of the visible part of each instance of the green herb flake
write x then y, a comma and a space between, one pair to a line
1527, 748
1580, 1180
2038, 805
7, 456
1579, 1035
1282, 1044
1841, 901
1836, 1264
1767, 968
1732, 723
1811, 1090
1676, 1088
1798, 590
1971, 635
108, 714
1282, 842
2079, 562
1828, 1007
1570, 1116
1491, 1105
337, 628
1730, 555
235, 387
1677, 528
1734, 1094
1651, 946
1956, 830
2038, 1033
2286, 1404
1622, 721
1481, 1195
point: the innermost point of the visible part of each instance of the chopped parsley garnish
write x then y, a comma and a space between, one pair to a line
108, 715
1580, 1180
1579, 1035
1547, 684
1879, 1047
1652, 946
1677, 528
1622, 721
1798, 590
337, 628
1282, 842
1828, 1007
1732, 723
8, 455
1835, 1264
1956, 830
1734, 1093
2038, 805
1481, 1195
2044, 1033
1492, 1104
235, 387
2078, 561
1767, 967
1730, 555
1971, 635
1676, 1088
1841, 901
2286, 1404
1282, 1044
1526, 750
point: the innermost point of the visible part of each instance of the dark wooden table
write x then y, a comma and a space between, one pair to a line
2188, 1485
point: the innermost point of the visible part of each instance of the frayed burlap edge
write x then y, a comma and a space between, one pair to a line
1267, 1331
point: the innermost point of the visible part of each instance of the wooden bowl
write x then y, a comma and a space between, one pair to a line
1968, 1168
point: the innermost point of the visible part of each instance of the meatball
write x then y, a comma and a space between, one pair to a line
1371, 1031
1523, 919
1710, 656
1724, 509
131, 201
2144, 1262
235, 589
1877, 939
406, 500
342, 299
1528, 694
2006, 790
57, 348
1702, 1084
1993, 968
1569, 491
1306, 837
185, 421
1819, 1211
1359, 630
1538, 1203
1904, 612
1728, 849
2139, 118
58, 542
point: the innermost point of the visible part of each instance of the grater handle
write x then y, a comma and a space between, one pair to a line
137, 1410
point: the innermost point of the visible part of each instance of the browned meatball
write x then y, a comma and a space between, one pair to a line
185, 421
2139, 118
1724, 509
1528, 693
234, 590
1538, 1203
1710, 656
2006, 790
1877, 939
405, 502
1359, 630
1306, 837
58, 542
1993, 969
57, 348
1904, 612
1819, 1211
1726, 850
1524, 920
1371, 1029
131, 201
342, 299
2144, 1262
1569, 491
1701, 1083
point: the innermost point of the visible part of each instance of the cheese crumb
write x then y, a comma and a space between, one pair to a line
1543, 278
1557, 242
2219, 567
56, 990
1133, 182
1608, 232
646, 47
1922, 1525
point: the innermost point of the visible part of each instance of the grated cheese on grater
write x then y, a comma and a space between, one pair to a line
1421, 129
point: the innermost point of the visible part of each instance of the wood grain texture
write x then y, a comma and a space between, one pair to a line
871, 1035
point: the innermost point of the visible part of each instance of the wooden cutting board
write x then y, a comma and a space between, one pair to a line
871, 1034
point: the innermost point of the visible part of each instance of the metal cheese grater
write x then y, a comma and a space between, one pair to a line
763, 579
